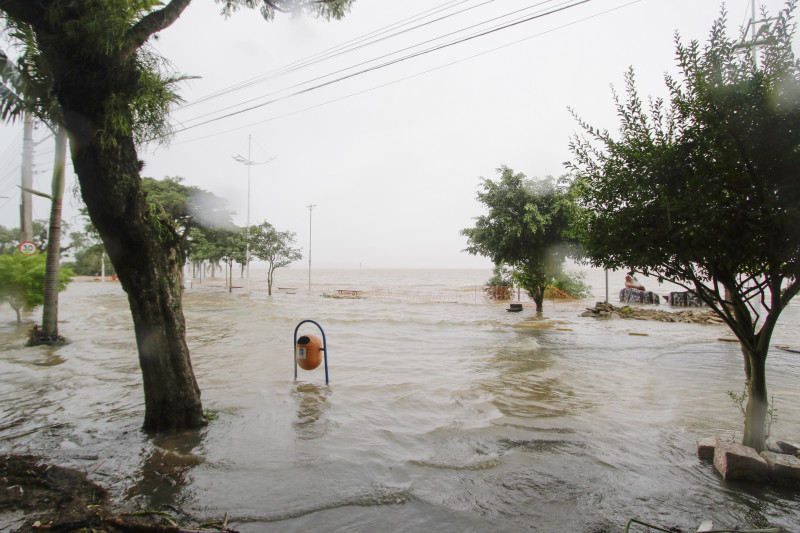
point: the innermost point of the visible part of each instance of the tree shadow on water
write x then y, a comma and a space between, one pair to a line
165, 469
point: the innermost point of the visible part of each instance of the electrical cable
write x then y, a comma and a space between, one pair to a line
260, 97
389, 63
285, 115
334, 51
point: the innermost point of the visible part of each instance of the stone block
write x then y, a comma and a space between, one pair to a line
705, 448
788, 447
736, 462
783, 469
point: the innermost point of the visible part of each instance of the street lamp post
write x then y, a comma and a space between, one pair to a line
310, 208
248, 163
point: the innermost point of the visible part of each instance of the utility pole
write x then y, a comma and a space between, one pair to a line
757, 37
26, 202
310, 209
248, 163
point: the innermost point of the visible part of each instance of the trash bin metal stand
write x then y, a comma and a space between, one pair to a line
324, 348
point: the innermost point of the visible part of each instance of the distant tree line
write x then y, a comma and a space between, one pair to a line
208, 237
207, 234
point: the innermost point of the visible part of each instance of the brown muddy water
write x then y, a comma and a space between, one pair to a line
439, 417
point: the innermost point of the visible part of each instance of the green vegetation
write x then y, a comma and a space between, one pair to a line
573, 283
22, 282
9, 238
88, 252
702, 190
188, 207
274, 247
527, 229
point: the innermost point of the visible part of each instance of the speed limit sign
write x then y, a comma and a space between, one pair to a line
27, 248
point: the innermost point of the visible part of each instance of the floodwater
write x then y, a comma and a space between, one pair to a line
438, 417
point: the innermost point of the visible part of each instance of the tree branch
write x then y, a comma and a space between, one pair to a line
276, 7
150, 24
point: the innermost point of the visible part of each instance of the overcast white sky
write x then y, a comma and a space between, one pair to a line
392, 158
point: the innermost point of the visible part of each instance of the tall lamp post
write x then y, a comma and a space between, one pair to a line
248, 163
310, 208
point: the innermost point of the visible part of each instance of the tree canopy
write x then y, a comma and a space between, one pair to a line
189, 208
274, 247
702, 189
527, 228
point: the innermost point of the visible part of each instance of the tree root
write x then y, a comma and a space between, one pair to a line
37, 338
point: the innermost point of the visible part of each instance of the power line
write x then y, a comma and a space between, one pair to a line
285, 115
334, 51
483, 23
11, 155
389, 63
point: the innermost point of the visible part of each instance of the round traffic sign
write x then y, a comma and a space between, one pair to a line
27, 248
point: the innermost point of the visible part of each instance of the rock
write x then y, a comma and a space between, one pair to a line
604, 310
783, 469
738, 462
707, 445
787, 447
638, 296
705, 448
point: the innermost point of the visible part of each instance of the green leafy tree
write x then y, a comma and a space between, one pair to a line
91, 261
501, 285
502, 276
40, 237
89, 255
8, 240
210, 244
702, 190
192, 211
188, 206
22, 282
274, 247
231, 246
527, 228
574, 284
114, 93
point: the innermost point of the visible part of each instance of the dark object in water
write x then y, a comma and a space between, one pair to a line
515, 308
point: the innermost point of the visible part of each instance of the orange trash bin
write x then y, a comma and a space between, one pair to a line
308, 352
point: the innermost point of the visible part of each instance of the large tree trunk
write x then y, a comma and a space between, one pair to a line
50, 306
538, 297
144, 252
147, 262
757, 410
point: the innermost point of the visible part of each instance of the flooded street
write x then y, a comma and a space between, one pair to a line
439, 416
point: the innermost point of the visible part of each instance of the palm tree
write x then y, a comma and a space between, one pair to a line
25, 90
